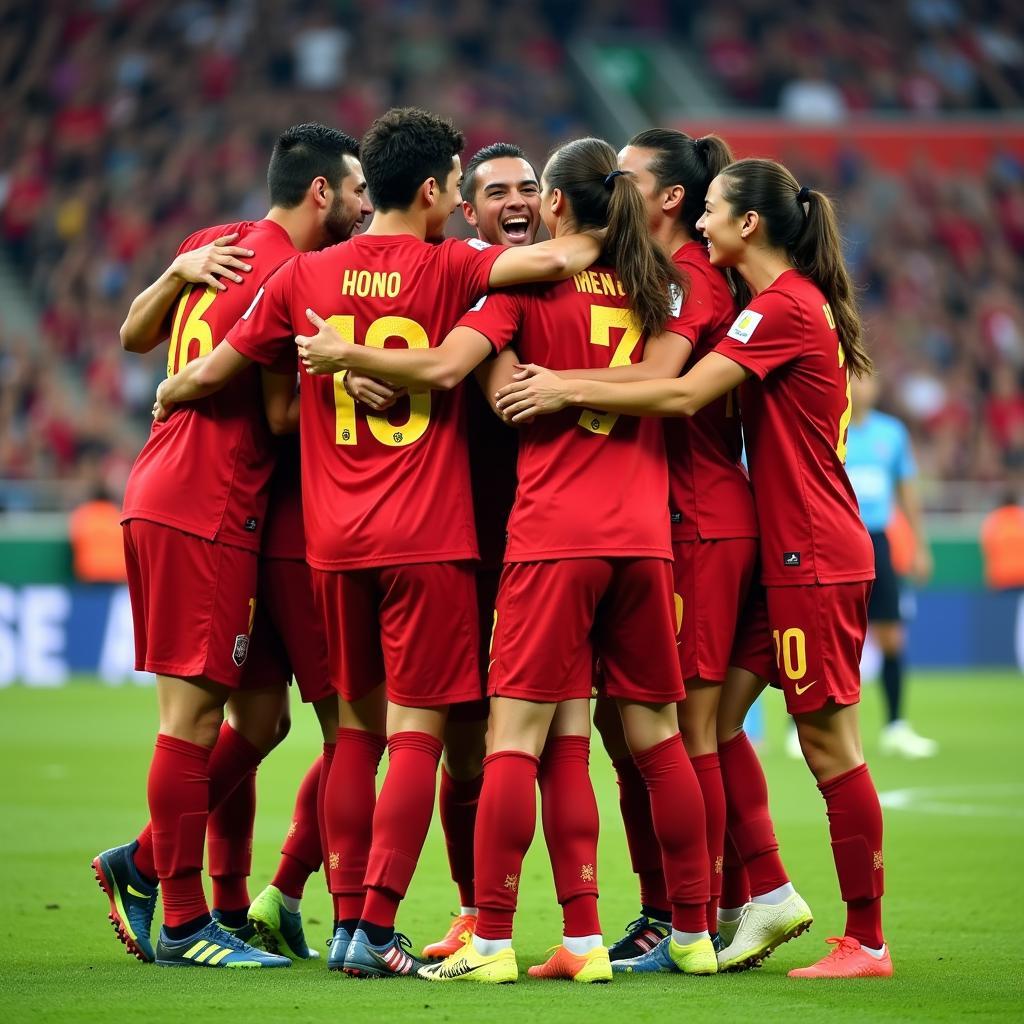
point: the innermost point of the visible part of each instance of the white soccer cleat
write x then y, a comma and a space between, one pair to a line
898, 739
763, 927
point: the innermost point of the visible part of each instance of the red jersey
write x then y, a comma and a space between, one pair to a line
377, 489
590, 483
796, 418
709, 491
493, 448
283, 535
205, 470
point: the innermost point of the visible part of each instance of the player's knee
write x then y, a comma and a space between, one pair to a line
826, 754
284, 726
206, 727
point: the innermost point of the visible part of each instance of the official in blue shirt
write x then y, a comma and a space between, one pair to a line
881, 467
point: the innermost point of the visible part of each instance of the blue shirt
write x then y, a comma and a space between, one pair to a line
878, 457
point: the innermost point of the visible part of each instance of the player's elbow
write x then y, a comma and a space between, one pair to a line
131, 341
280, 422
556, 265
445, 376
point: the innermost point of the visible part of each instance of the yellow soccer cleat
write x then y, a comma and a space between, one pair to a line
461, 931
696, 958
466, 964
762, 928
586, 968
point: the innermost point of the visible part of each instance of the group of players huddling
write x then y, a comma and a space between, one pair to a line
428, 554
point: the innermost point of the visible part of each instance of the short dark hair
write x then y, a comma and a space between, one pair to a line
495, 151
302, 153
404, 147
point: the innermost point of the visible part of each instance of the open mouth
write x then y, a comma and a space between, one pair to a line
516, 228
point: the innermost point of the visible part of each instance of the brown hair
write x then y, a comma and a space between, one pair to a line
811, 240
600, 195
682, 160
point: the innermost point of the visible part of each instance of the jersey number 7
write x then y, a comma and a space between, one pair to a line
603, 320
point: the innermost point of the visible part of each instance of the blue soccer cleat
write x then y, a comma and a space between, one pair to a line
642, 935
391, 960
339, 949
668, 957
132, 900
654, 961
212, 946
247, 932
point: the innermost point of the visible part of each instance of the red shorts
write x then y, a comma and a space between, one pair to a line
553, 618
193, 603
818, 633
288, 638
412, 625
712, 579
486, 597
753, 648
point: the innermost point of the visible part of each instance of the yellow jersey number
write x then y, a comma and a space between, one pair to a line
844, 420
381, 427
603, 320
195, 328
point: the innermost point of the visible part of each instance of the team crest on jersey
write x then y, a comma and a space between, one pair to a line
238, 655
744, 326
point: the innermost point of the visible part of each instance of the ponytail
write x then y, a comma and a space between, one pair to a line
810, 238
818, 254
600, 196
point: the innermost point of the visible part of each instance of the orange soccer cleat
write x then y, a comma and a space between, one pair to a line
562, 965
847, 960
461, 931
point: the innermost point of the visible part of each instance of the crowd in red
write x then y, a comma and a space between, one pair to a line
128, 125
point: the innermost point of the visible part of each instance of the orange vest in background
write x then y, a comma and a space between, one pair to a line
1002, 546
902, 543
97, 543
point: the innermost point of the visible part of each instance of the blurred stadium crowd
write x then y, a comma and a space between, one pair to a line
129, 124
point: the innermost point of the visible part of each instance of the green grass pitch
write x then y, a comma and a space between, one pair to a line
74, 765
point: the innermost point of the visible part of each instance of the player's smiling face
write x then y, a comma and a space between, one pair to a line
350, 206
506, 207
724, 231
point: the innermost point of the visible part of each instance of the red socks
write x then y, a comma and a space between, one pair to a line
677, 810
321, 806
350, 799
301, 854
505, 823
747, 815
735, 883
644, 851
709, 778
569, 814
855, 824
233, 764
179, 801
458, 802
143, 856
400, 823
